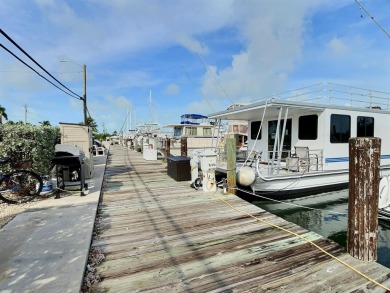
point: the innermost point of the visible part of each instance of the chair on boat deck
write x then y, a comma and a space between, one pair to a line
302, 160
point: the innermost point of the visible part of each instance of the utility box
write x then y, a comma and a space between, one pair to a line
208, 160
80, 136
179, 168
208, 163
149, 149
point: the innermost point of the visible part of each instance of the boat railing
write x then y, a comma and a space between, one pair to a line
333, 94
276, 161
289, 162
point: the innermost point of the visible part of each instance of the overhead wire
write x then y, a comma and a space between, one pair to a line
372, 17
204, 96
10, 52
32, 59
215, 78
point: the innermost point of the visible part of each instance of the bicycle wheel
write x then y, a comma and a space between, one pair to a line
20, 186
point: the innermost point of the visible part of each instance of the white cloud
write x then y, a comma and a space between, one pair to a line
273, 37
191, 44
118, 102
338, 47
172, 89
252, 49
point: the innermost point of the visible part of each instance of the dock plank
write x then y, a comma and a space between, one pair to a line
160, 235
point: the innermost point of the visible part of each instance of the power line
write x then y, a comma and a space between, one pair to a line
204, 96
377, 23
10, 52
32, 59
215, 78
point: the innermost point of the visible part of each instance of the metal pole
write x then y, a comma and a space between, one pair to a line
25, 113
85, 94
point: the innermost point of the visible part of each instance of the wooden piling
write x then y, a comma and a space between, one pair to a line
231, 164
183, 144
167, 147
364, 176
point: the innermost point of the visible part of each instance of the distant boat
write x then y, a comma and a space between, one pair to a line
200, 131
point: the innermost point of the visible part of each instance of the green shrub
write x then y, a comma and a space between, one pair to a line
35, 142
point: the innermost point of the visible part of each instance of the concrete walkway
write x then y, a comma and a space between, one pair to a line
45, 248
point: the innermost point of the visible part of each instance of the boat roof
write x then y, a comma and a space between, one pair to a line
188, 124
314, 98
193, 116
255, 110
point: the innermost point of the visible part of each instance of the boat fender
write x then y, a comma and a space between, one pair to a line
246, 176
384, 198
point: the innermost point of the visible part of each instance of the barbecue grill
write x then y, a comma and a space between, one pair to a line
69, 161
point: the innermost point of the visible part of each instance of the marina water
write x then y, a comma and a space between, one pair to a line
327, 215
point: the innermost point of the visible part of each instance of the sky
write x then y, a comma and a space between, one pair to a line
154, 60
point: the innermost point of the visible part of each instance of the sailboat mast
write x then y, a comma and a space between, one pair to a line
150, 105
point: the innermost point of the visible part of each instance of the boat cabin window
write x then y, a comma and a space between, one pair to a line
365, 126
272, 125
191, 131
340, 128
207, 132
177, 131
308, 127
255, 125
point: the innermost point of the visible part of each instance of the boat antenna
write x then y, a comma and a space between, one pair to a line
373, 19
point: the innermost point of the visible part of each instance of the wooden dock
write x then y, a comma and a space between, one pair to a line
159, 235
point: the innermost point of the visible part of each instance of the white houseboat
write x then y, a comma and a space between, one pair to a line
302, 146
201, 133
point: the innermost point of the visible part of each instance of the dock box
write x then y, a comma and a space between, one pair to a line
80, 136
179, 168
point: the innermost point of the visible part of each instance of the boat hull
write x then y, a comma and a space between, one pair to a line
303, 183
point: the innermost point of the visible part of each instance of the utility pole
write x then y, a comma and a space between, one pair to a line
84, 98
25, 113
85, 94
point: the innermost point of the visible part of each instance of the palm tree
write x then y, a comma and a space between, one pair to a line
2, 114
91, 123
45, 123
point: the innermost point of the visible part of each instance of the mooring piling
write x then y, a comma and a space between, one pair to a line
364, 176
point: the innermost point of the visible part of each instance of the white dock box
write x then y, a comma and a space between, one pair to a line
81, 136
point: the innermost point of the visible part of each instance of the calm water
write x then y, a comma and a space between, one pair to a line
328, 218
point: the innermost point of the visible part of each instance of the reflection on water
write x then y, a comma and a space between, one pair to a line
327, 216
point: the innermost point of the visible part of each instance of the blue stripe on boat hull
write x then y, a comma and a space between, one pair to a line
346, 159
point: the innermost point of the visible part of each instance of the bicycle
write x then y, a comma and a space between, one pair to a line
19, 186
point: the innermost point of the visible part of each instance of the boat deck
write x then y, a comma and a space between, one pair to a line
160, 235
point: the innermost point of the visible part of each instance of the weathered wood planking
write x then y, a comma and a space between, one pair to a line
159, 235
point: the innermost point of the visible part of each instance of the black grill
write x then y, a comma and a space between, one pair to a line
69, 161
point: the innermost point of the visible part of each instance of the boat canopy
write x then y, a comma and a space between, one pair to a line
195, 119
255, 111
